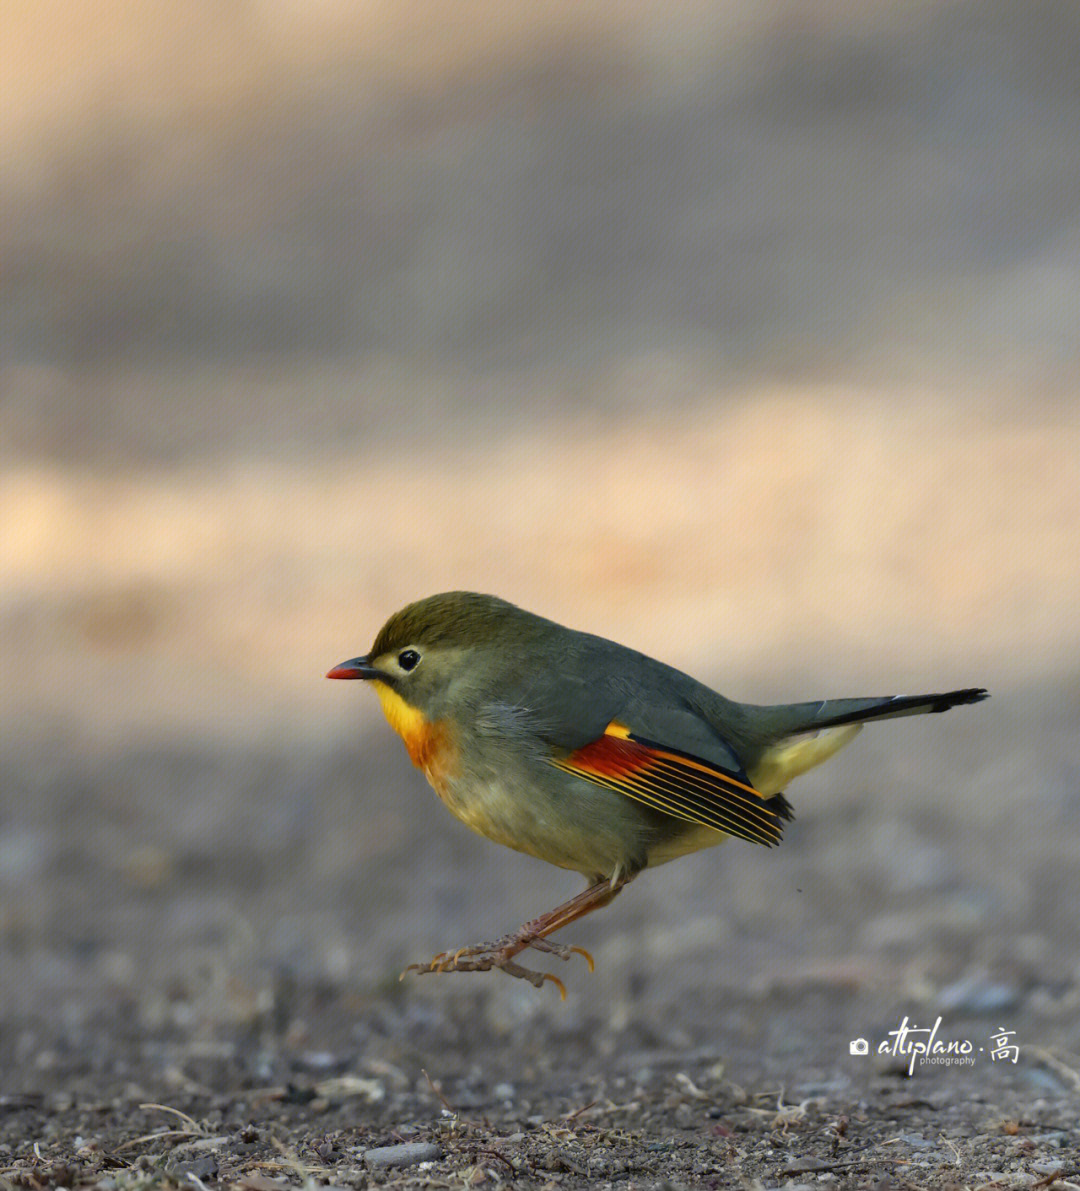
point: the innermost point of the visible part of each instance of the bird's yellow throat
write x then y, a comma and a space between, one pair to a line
430, 743
408, 722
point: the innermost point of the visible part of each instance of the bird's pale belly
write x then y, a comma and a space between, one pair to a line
537, 814
573, 825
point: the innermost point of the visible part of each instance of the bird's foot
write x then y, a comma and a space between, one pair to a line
501, 955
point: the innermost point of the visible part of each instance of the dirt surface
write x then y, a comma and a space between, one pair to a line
717, 1090
746, 338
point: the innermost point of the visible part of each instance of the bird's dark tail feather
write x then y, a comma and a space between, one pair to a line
832, 712
805, 734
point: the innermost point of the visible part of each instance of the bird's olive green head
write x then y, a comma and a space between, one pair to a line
431, 644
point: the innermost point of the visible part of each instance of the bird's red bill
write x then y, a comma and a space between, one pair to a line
677, 784
344, 670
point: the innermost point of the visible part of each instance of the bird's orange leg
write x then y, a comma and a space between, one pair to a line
533, 933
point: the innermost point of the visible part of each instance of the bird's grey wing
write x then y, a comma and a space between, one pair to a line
671, 760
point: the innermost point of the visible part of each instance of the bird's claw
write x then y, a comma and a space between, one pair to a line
501, 955
557, 982
585, 954
563, 952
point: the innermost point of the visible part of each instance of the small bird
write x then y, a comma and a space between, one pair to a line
587, 754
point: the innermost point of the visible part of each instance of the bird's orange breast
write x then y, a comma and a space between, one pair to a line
429, 742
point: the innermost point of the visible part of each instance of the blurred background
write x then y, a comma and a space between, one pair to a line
744, 334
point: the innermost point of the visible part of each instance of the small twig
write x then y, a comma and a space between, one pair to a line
138, 1141
819, 1167
291, 1160
954, 1147
571, 1116
193, 1128
297, 1167
193, 1125
1058, 1176
500, 1157
1055, 1064
438, 1092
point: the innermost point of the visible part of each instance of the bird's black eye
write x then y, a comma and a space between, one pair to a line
408, 659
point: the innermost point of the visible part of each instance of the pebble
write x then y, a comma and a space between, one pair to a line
503, 1091
201, 1168
321, 1060
1044, 1081
976, 993
685, 1117
407, 1154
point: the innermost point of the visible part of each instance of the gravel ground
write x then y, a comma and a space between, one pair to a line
329, 1087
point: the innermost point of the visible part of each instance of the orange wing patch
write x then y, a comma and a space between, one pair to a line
677, 784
